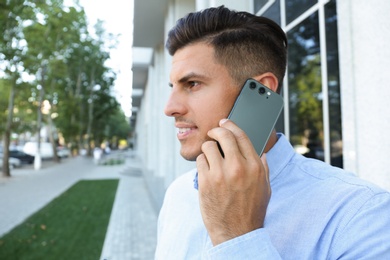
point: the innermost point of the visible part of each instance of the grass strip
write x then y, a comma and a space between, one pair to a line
72, 226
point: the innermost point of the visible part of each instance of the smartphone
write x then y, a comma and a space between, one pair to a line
256, 111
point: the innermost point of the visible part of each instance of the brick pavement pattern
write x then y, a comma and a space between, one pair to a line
131, 232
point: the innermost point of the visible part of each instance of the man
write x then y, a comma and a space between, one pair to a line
315, 211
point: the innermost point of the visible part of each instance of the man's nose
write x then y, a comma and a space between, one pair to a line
175, 105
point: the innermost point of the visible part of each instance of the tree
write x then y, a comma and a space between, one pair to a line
51, 45
304, 81
78, 106
48, 41
12, 51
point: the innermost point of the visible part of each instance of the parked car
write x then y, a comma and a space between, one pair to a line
63, 152
46, 149
25, 158
13, 162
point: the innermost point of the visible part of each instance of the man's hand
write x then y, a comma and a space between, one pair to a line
234, 191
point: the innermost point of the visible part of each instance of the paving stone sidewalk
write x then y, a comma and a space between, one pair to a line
131, 232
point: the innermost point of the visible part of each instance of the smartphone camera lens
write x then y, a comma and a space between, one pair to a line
252, 85
261, 90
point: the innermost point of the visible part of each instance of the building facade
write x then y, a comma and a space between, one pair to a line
336, 87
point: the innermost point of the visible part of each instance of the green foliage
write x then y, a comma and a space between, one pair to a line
305, 86
110, 122
122, 126
51, 45
4, 93
113, 161
24, 114
72, 226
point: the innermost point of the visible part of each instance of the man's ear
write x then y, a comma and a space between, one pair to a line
269, 80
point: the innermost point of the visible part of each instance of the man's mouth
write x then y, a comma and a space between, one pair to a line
184, 130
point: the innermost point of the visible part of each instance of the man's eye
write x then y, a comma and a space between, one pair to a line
193, 84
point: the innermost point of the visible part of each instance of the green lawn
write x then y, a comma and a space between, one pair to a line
72, 226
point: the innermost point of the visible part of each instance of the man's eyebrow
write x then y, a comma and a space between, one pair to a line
186, 78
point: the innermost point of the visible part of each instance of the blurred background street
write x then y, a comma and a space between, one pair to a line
131, 232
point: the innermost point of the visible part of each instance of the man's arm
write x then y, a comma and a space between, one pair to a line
254, 245
366, 235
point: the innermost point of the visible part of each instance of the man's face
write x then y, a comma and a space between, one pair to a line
202, 94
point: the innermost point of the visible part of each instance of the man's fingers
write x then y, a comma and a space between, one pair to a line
201, 163
265, 165
226, 140
242, 140
212, 153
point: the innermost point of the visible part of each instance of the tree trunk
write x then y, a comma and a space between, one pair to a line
51, 127
5, 169
7, 132
90, 111
56, 158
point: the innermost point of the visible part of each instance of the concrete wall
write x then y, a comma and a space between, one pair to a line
364, 36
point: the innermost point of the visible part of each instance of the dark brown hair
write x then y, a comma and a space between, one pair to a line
248, 45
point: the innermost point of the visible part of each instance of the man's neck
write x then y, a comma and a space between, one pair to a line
271, 141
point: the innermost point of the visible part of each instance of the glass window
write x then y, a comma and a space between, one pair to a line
336, 148
273, 12
305, 89
295, 8
258, 4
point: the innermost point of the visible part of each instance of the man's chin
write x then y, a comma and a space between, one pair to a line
189, 156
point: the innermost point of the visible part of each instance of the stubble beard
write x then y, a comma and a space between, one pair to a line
191, 156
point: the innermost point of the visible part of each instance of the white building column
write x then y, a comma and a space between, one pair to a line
364, 34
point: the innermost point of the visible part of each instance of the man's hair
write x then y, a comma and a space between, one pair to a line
248, 45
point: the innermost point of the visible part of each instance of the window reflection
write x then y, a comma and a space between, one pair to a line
295, 8
336, 148
273, 12
305, 90
304, 79
258, 4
